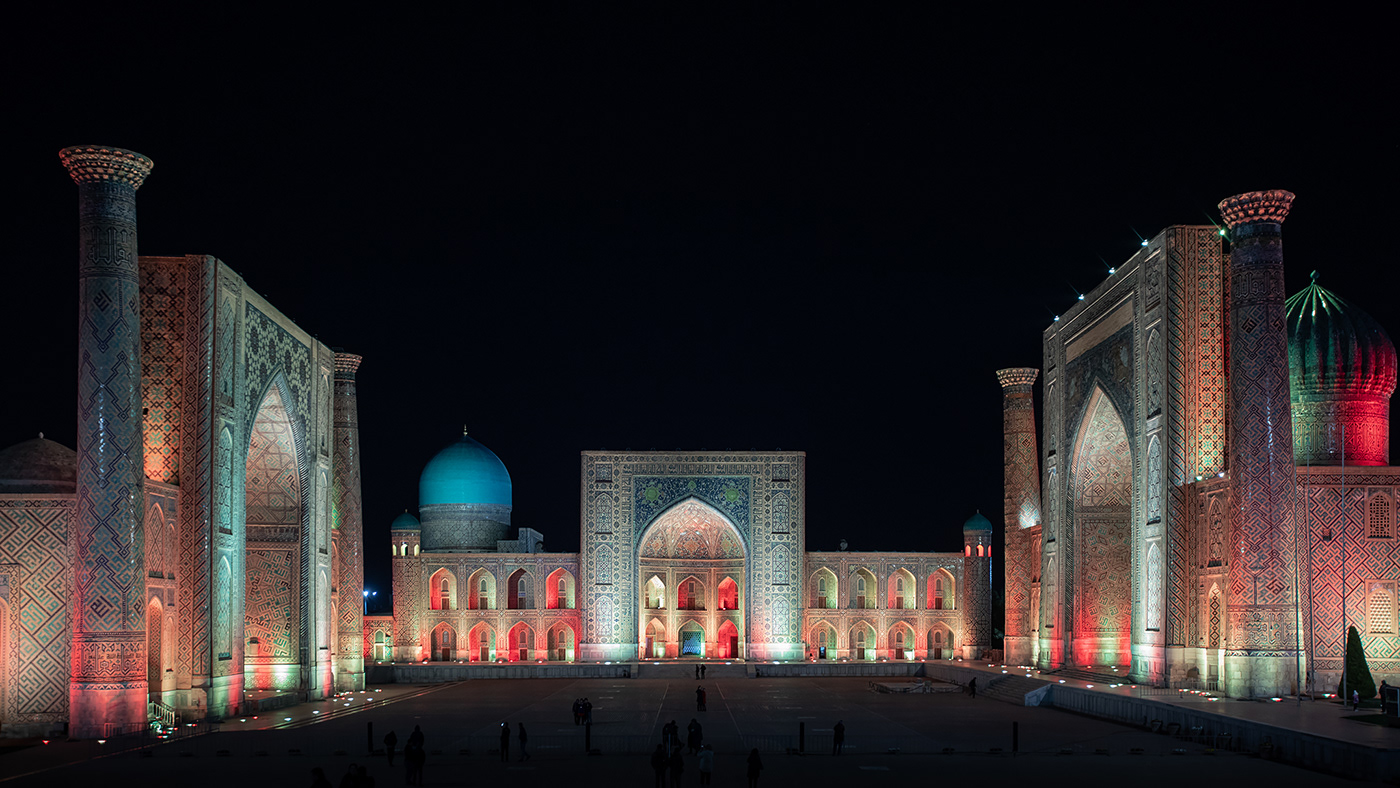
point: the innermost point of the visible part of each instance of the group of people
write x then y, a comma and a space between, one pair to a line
700, 699
505, 741
673, 765
699, 671
413, 755
583, 712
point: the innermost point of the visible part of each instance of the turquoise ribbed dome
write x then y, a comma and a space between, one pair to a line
405, 522
465, 472
977, 523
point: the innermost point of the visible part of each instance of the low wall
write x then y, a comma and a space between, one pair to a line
439, 672
819, 669
1357, 761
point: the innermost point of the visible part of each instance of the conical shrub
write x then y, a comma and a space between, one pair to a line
1358, 674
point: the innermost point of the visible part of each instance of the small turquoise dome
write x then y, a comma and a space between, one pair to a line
465, 472
977, 523
405, 522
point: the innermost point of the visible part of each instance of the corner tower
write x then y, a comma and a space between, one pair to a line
1021, 508
107, 685
348, 523
977, 586
1261, 656
405, 533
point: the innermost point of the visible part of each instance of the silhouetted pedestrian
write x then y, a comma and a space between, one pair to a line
702, 671
659, 762
1356, 700
677, 766
524, 756
505, 742
693, 735
413, 757
707, 764
318, 779
704, 700
972, 688
697, 672
390, 742
578, 711
838, 737
587, 711
699, 699
670, 734
416, 737
755, 766
351, 778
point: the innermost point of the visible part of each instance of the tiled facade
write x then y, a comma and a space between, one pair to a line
1156, 389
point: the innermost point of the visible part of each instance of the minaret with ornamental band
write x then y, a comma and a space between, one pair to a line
107, 685
348, 522
1261, 659
1021, 509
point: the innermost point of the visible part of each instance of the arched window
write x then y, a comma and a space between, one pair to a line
1380, 608
444, 594
937, 593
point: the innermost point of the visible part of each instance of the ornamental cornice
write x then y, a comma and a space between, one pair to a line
98, 163
1255, 207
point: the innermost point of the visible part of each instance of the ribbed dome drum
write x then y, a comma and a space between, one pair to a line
1341, 373
464, 498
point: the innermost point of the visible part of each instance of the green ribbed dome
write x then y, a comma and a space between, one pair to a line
465, 472
977, 523
405, 522
1335, 349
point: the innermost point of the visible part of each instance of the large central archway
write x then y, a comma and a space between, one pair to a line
273, 516
692, 585
1102, 499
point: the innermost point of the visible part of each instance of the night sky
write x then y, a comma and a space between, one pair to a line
718, 229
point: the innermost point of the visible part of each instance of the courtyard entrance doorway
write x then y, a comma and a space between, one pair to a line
1102, 497
692, 568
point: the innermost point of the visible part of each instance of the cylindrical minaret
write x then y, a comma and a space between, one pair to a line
107, 685
349, 524
977, 586
406, 534
1021, 506
1260, 660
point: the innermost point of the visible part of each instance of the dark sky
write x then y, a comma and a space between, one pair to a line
716, 228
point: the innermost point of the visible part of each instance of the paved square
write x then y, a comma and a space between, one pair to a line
461, 722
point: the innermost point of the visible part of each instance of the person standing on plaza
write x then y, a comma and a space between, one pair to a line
1356, 700
677, 764
697, 672
524, 756
707, 764
505, 742
704, 700
755, 766
587, 711
702, 672
416, 737
659, 762
670, 734
391, 740
838, 737
413, 758
972, 688
699, 698
578, 711
692, 737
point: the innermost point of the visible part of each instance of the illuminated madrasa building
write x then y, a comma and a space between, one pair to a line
684, 555
1218, 504
198, 544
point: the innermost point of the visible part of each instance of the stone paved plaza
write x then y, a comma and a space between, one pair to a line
628, 717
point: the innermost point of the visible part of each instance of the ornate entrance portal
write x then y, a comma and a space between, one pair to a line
692, 582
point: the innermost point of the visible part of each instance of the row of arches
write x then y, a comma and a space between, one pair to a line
860, 642
901, 590
690, 594
482, 644
693, 641
560, 591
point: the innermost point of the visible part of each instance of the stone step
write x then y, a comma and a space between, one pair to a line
1011, 689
